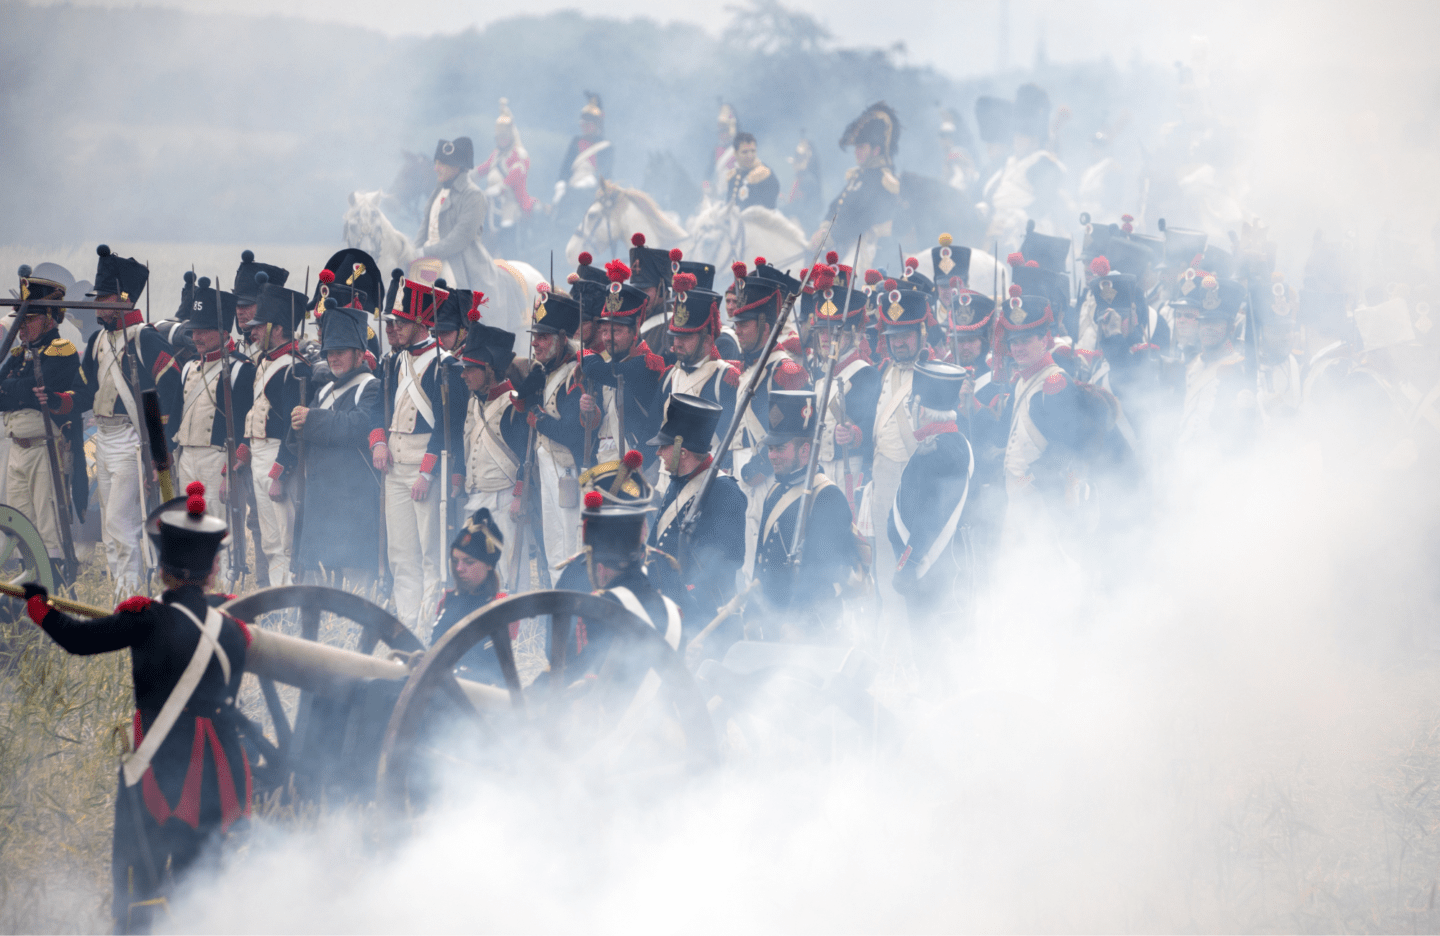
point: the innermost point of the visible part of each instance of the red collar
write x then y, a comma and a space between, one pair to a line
419, 349
286, 348
497, 391
214, 356
638, 349
859, 354
703, 465
1035, 368
934, 429
133, 317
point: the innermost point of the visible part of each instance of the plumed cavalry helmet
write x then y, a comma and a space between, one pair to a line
35, 287
185, 536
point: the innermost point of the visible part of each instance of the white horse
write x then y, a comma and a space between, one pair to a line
721, 233
616, 214
511, 287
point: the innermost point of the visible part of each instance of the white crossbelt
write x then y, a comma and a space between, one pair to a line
138, 761
331, 393
947, 533
110, 362
411, 387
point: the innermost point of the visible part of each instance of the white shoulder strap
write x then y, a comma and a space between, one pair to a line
672, 614
138, 761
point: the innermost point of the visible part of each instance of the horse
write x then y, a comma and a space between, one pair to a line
510, 289
615, 215
721, 233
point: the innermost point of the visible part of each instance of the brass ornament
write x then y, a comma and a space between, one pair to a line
682, 314
540, 312
612, 302
776, 416
359, 270
1107, 290
946, 264
1212, 299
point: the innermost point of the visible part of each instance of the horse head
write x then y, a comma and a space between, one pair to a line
364, 223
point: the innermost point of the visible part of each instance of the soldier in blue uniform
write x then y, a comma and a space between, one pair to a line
698, 370
474, 556
29, 481
925, 523
697, 571
870, 198
801, 601
626, 355
122, 360
186, 780
750, 182
846, 443
343, 503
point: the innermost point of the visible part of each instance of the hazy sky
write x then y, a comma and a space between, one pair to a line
1397, 34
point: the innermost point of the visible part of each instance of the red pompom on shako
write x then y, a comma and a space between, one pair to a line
760, 261
638, 239
738, 269
327, 276
683, 282
832, 257
1015, 289
1033, 264
593, 500
872, 277
195, 505
1015, 259
633, 460
911, 263
617, 271
195, 487
676, 255
585, 258
1100, 266
891, 284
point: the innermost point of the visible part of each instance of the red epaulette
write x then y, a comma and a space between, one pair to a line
655, 362
791, 344
731, 375
586, 352
1055, 383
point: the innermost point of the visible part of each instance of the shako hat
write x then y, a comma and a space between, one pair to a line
246, 289
419, 301
1024, 313
695, 309
460, 308
37, 287
623, 301
900, 308
211, 307
1182, 245
1052, 253
792, 415
949, 259
690, 419
185, 536
649, 266
278, 305
343, 328
124, 277
619, 481
937, 385
556, 313
485, 344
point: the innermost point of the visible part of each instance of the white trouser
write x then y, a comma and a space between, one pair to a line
835, 471
277, 518
204, 463
498, 503
5, 447
27, 478
886, 475
412, 529
754, 507
122, 506
561, 524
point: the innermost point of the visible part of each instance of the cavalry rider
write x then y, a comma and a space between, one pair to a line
801, 594
280, 372
844, 444
454, 218
924, 524
29, 482
408, 450
698, 369
122, 360
344, 497
761, 295
625, 356
1027, 187
475, 557
503, 175
696, 571
186, 779
750, 182
868, 202
204, 431
588, 159
558, 409
722, 157
901, 315
495, 437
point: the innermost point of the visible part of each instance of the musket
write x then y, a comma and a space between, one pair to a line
300, 463
63, 304
742, 403
385, 397
233, 510
623, 442
57, 478
444, 523
807, 501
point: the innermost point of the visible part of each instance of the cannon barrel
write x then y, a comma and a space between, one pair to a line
331, 671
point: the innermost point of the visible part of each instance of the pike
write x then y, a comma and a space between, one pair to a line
742, 403
807, 502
